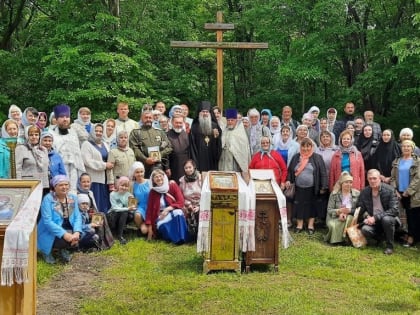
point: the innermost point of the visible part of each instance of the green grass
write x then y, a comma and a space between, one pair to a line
313, 278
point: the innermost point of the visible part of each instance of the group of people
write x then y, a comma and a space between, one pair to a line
92, 172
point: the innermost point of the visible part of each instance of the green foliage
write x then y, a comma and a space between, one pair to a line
320, 52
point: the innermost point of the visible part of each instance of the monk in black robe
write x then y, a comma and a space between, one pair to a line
205, 139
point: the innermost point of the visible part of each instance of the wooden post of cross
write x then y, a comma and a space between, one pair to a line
219, 45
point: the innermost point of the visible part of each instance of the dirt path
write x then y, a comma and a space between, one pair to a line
62, 295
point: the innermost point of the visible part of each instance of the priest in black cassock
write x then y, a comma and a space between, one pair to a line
205, 139
180, 147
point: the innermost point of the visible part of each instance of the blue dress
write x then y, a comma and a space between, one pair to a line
101, 191
141, 192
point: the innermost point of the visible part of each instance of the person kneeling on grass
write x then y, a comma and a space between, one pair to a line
120, 214
378, 210
60, 225
164, 214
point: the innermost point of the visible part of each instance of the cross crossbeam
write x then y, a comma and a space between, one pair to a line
219, 45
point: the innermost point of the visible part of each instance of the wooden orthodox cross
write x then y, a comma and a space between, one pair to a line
219, 45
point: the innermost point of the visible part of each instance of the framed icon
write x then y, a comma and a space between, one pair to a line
97, 218
13, 195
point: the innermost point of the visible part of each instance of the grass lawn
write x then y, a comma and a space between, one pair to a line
313, 278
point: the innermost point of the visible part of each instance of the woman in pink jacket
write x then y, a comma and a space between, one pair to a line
267, 158
349, 159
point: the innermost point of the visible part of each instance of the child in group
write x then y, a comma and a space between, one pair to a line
104, 232
89, 238
120, 213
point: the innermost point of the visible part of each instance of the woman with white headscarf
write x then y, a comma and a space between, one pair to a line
164, 214
95, 156
140, 189
32, 159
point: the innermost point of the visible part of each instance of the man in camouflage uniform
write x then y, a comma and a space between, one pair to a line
150, 145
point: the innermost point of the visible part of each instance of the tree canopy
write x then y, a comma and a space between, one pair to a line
96, 52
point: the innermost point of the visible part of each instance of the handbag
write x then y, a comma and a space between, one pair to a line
290, 192
354, 233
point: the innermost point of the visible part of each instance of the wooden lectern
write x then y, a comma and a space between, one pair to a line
267, 217
223, 230
18, 298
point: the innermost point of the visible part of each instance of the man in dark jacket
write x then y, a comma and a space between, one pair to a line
379, 210
340, 125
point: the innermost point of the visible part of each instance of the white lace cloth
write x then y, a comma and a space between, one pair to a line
14, 264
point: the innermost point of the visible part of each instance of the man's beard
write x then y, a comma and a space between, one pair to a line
205, 125
177, 130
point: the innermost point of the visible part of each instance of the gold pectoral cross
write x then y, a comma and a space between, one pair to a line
207, 140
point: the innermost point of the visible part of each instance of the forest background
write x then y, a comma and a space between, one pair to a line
327, 52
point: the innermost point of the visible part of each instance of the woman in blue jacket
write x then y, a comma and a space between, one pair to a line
60, 225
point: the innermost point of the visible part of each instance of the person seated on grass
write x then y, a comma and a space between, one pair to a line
60, 226
104, 231
164, 209
120, 213
341, 203
140, 189
379, 210
89, 239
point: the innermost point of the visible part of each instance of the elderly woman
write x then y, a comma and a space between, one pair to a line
349, 159
256, 130
32, 159
405, 178
190, 185
274, 125
121, 158
60, 225
407, 134
302, 132
95, 155
15, 113
82, 124
270, 159
164, 214
141, 189
342, 202
307, 171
